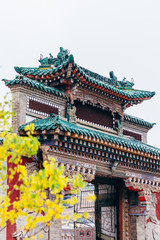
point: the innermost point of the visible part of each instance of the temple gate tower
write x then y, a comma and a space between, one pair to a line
80, 120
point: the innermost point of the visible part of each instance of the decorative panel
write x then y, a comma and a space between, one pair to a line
94, 114
133, 134
41, 107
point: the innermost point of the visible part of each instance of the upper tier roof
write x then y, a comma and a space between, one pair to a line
52, 122
63, 70
21, 80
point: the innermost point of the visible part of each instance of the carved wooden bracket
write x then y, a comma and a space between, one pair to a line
71, 167
87, 172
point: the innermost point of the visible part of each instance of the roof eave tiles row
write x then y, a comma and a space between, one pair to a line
51, 124
37, 85
138, 121
125, 94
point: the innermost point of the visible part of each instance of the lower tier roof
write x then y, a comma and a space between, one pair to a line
138, 121
53, 122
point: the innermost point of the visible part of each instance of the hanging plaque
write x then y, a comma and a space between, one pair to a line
137, 210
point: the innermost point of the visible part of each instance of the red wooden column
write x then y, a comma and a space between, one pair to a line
11, 228
15, 194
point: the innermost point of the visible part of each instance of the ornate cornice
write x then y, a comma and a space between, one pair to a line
87, 172
145, 185
71, 167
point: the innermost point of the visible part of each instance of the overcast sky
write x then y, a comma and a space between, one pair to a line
103, 35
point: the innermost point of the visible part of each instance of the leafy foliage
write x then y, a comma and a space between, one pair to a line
40, 197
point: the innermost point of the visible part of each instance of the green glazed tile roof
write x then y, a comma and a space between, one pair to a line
131, 93
40, 86
39, 71
50, 66
51, 123
45, 68
138, 121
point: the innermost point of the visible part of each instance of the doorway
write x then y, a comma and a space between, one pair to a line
106, 211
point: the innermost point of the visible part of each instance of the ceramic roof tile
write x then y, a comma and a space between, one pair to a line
102, 81
52, 122
123, 88
26, 81
138, 121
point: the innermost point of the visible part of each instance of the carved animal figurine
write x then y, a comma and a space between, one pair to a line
71, 113
118, 127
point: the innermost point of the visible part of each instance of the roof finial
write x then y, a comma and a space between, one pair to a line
51, 56
111, 73
41, 56
113, 78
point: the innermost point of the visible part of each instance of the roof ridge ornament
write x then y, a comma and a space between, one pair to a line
124, 84
53, 62
56, 117
113, 79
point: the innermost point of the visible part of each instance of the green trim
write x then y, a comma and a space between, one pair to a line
51, 123
32, 83
139, 121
